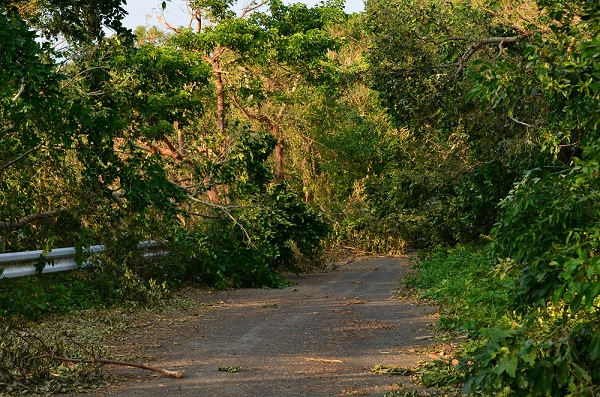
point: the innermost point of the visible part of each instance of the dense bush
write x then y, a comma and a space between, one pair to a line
463, 281
441, 173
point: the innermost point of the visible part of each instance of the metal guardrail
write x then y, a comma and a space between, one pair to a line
20, 264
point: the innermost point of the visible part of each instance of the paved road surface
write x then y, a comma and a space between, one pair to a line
319, 337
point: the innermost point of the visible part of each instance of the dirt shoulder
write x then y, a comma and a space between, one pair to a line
319, 337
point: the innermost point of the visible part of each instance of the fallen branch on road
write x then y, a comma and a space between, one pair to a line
172, 374
323, 360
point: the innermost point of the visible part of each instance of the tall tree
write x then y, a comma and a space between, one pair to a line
260, 58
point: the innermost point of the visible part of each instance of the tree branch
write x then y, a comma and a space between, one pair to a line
160, 19
284, 105
172, 374
21, 91
249, 9
476, 46
176, 153
21, 223
74, 79
500, 50
170, 152
251, 116
18, 158
520, 122
225, 210
201, 215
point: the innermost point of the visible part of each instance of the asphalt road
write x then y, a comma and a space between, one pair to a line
319, 337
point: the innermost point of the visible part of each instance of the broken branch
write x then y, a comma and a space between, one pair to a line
173, 28
172, 374
225, 211
481, 43
323, 360
170, 152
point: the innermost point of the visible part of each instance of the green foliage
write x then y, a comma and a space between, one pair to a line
360, 228
443, 171
403, 392
33, 143
34, 296
439, 373
561, 265
27, 369
463, 282
262, 229
549, 352
83, 20
270, 231
544, 306
549, 221
109, 283
68, 135
112, 142
414, 76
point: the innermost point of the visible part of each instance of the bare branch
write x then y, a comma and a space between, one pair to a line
225, 210
455, 38
75, 78
500, 51
520, 122
173, 28
169, 152
172, 374
21, 223
21, 91
481, 43
284, 105
251, 116
494, 13
201, 215
251, 8
176, 153
118, 198
449, 65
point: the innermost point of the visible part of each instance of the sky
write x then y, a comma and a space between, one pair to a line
141, 12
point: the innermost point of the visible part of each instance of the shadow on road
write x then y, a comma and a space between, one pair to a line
319, 337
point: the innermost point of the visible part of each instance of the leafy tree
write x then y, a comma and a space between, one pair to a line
124, 154
451, 160
33, 141
549, 222
260, 58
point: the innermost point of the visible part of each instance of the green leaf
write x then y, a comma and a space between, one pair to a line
591, 292
595, 347
542, 380
508, 365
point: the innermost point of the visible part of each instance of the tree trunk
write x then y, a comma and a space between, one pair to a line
279, 159
307, 171
220, 94
213, 195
